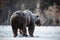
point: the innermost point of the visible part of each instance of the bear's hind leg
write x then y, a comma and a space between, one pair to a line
14, 31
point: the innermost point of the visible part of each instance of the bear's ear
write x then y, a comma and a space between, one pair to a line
37, 16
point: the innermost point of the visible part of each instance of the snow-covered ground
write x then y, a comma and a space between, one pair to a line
40, 33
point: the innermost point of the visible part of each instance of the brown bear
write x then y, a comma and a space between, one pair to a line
22, 19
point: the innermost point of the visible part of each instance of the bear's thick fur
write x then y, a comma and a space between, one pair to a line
22, 19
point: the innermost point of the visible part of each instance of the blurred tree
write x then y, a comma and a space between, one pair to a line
7, 7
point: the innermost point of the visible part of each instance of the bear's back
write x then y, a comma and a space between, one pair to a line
30, 16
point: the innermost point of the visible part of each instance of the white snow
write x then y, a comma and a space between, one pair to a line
40, 33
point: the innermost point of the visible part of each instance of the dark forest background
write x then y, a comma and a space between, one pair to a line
49, 10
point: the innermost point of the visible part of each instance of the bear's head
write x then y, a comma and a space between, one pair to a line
37, 20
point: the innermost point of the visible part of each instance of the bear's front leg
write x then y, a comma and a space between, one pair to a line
23, 31
20, 31
31, 29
